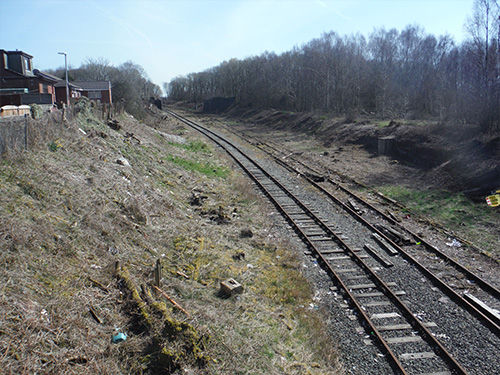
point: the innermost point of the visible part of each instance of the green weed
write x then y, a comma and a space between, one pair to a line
208, 169
54, 146
194, 146
446, 208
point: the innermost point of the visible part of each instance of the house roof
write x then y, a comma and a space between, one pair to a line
94, 85
16, 53
46, 76
62, 83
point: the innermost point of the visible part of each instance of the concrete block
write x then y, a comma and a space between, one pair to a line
230, 286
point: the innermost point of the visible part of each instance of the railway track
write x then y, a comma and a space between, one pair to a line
468, 288
360, 271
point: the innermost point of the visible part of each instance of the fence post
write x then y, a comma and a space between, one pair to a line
157, 273
26, 132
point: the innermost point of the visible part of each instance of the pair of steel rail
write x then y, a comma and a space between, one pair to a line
316, 233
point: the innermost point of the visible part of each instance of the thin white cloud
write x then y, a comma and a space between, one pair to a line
132, 31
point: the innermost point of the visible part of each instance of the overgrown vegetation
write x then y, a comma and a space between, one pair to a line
450, 210
207, 169
82, 231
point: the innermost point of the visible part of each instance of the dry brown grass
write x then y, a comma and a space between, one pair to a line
69, 212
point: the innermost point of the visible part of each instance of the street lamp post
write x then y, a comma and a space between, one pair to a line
66, 67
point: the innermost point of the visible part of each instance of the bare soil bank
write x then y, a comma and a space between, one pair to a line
455, 157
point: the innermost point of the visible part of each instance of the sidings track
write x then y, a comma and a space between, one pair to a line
405, 339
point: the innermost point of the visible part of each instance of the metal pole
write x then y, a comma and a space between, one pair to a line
67, 83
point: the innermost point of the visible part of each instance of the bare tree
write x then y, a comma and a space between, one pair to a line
484, 31
99, 69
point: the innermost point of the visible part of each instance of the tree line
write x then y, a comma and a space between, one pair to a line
390, 73
129, 82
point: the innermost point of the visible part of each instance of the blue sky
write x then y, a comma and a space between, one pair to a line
175, 37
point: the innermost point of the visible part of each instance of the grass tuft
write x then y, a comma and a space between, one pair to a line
451, 210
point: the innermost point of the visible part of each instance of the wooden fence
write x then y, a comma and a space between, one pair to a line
13, 133
19, 133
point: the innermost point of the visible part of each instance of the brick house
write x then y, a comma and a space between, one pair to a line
75, 92
21, 84
96, 91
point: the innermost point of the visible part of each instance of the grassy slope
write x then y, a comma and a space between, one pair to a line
70, 212
474, 222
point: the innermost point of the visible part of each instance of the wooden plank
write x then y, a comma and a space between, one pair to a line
385, 262
385, 315
398, 327
403, 340
336, 251
385, 245
333, 259
393, 216
375, 304
402, 236
322, 239
421, 355
356, 277
367, 286
482, 306
346, 270
398, 340
378, 294
354, 206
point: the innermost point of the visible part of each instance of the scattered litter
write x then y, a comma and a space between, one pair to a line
441, 336
95, 266
182, 274
123, 161
420, 315
94, 315
454, 243
45, 315
77, 360
250, 266
444, 300
119, 337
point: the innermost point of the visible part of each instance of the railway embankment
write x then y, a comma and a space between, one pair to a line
115, 241
456, 157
